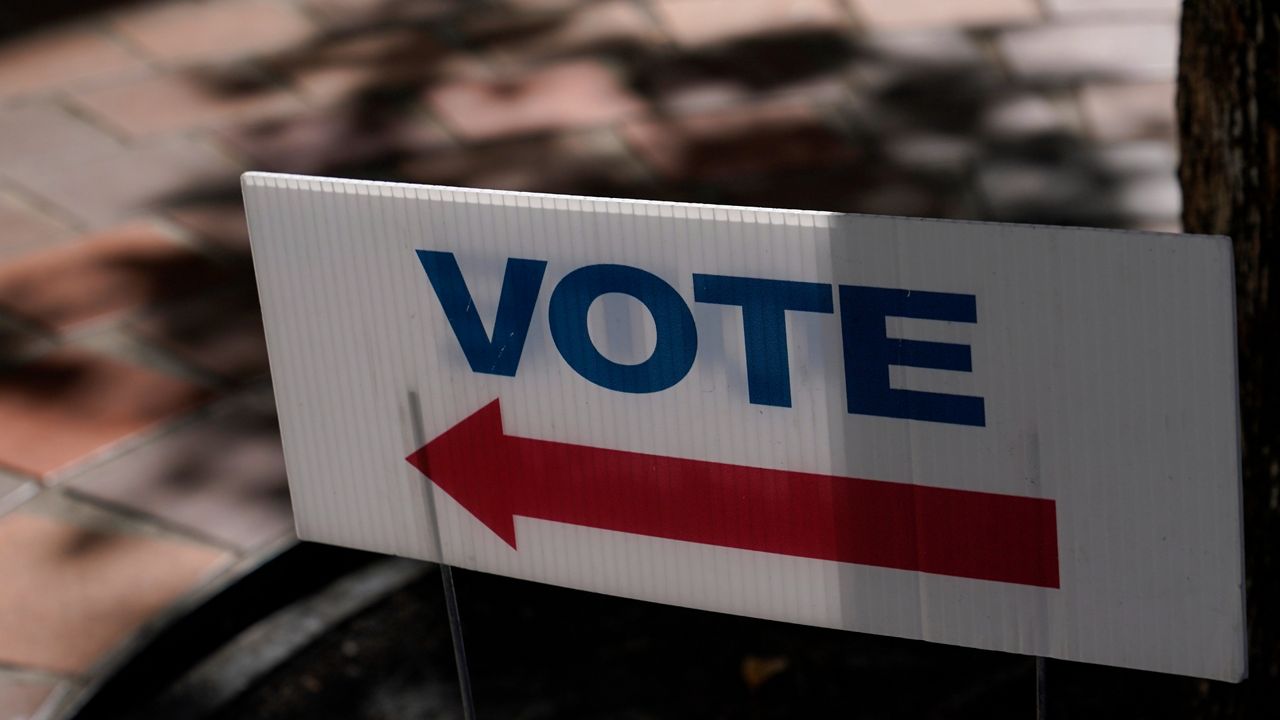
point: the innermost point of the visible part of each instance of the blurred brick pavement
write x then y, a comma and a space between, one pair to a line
139, 457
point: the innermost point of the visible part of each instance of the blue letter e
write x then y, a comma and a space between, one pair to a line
868, 353
499, 354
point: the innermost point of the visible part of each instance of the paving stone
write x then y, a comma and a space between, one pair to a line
1150, 199
170, 102
19, 341
221, 335
544, 6
339, 13
583, 164
1118, 186
103, 275
1077, 8
685, 94
91, 175
84, 591
1130, 111
1172, 225
592, 26
125, 182
1026, 114
369, 61
1020, 190
39, 136
559, 97
26, 228
1144, 157
702, 22
323, 85
61, 59
219, 222
903, 198
1141, 50
809, 67
901, 14
331, 140
1146, 178
727, 143
13, 492
204, 32
22, 697
935, 154
69, 404
384, 47
223, 476
127, 347
927, 46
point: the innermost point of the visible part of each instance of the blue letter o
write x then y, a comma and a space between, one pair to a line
677, 344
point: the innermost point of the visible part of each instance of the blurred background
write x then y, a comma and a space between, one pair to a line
140, 469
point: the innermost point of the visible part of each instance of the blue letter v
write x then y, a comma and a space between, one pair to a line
499, 355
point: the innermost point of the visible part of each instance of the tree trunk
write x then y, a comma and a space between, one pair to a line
1229, 117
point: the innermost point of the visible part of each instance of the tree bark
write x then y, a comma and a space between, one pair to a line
1229, 118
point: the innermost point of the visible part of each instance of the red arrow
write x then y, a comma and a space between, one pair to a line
869, 522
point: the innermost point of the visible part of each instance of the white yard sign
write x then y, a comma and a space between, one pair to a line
1006, 437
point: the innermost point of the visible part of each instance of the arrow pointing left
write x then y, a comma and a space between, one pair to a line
963, 533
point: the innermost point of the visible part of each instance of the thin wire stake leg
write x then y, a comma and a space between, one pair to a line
459, 648
446, 575
1042, 694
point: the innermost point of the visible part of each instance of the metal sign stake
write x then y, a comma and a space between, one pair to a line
1042, 694
446, 576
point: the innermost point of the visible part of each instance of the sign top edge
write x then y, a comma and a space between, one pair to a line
263, 179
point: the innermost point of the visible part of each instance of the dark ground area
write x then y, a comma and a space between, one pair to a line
542, 652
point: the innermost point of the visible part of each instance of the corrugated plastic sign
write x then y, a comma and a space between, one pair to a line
1007, 437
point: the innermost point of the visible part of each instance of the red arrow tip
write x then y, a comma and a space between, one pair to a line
472, 462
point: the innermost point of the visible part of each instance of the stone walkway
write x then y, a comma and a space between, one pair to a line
139, 458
